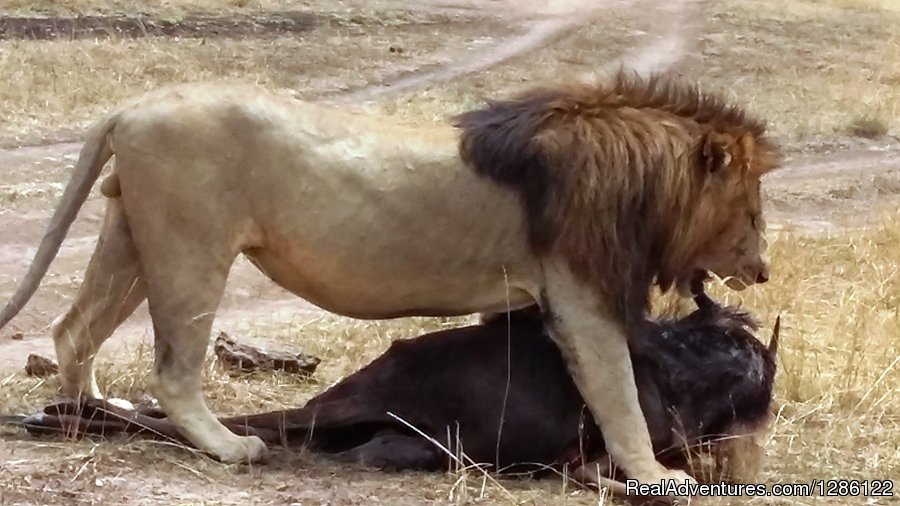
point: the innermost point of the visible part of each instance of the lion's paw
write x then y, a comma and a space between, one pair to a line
242, 449
679, 477
681, 480
256, 448
671, 486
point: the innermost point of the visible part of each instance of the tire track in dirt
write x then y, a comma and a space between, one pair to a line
670, 42
539, 35
826, 193
675, 38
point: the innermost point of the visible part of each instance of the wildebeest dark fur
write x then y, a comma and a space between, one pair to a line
502, 389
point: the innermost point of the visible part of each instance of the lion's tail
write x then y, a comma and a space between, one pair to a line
94, 155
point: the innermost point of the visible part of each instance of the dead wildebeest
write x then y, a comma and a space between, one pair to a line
502, 391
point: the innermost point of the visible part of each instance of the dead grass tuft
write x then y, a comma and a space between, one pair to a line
869, 127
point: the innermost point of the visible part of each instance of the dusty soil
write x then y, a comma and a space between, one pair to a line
828, 191
816, 192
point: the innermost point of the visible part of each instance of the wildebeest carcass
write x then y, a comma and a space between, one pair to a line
501, 390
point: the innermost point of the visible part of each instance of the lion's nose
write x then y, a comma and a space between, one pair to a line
762, 276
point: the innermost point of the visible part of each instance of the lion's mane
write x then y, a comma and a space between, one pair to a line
608, 174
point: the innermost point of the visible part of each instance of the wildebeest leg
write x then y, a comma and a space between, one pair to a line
597, 355
97, 417
389, 449
112, 289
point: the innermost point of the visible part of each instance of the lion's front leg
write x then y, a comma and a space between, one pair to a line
596, 351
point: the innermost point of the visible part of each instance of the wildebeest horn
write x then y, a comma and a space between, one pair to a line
773, 342
698, 291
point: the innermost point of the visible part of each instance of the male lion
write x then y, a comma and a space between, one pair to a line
578, 198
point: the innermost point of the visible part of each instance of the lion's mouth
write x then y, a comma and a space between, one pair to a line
692, 285
742, 280
736, 284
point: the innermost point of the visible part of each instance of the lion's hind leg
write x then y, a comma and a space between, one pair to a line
112, 289
186, 275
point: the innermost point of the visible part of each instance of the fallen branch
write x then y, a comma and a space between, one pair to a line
244, 358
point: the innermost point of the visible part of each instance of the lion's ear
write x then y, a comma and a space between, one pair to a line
715, 152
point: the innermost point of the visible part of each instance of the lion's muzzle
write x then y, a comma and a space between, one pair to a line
762, 275
749, 275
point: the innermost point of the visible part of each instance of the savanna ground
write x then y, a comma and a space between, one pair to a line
826, 75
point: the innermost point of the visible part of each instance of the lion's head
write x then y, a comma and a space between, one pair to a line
634, 182
730, 225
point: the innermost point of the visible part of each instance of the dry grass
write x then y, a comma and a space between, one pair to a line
870, 127
827, 73
809, 67
833, 65
571, 58
58, 90
839, 298
57, 84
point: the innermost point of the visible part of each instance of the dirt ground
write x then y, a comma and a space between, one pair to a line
429, 58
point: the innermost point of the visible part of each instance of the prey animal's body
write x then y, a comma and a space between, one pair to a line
500, 394
577, 198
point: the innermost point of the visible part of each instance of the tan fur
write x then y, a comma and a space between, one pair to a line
602, 191
110, 188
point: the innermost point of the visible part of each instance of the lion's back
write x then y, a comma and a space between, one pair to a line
298, 183
211, 109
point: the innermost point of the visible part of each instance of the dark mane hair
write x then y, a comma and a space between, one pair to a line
610, 174
679, 97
